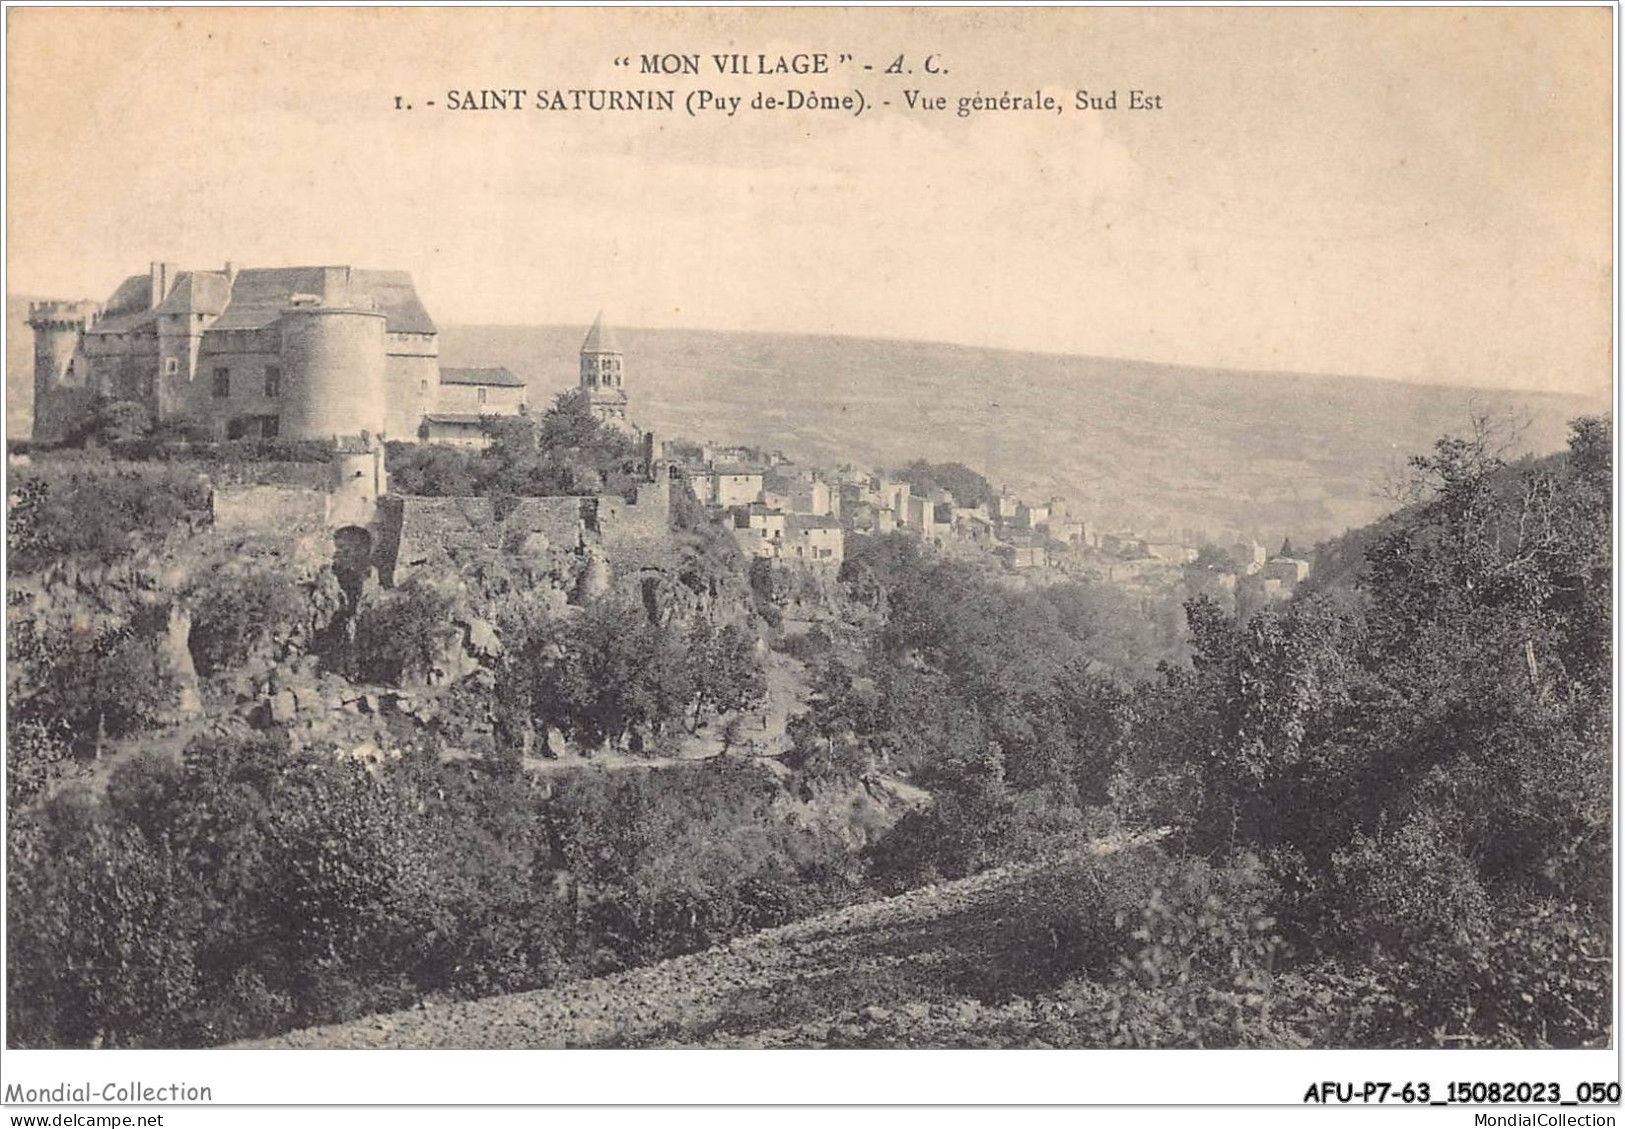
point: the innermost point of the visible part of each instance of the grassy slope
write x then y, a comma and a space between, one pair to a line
1130, 441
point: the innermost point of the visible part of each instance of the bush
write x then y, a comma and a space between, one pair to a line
1200, 973
235, 614
106, 956
403, 633
96, 510
111, 684
36, 754
1541, 977
811, 646
566, 451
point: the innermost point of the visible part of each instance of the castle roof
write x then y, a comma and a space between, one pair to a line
600, 338
258, 297
197, 292
129, 308
497, 377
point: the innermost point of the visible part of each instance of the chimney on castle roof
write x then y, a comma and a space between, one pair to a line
162, 281
335, 286
231, 272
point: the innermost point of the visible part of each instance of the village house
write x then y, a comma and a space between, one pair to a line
974, 525
1026, 555
758, 529
467, 396
811, 496
918, 513
813, 540
851, 495
894, 496
1249, 556
727, 486
860, 517
1032, 518
1290, 571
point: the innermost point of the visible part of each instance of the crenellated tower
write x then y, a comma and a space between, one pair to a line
63, 390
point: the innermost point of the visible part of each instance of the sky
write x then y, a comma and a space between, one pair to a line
1417, 194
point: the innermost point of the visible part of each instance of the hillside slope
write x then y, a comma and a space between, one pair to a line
917, 967
1131, 442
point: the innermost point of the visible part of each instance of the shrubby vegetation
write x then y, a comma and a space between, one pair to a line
610, 675
125, 429
967, 486
400, 633
96, 512
1377, 815
1414, 764
239, 613
72, 687
566, 450
249, 889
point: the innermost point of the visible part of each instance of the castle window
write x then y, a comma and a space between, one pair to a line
172, 365
273, 381
481, 395
423, 387
222, 383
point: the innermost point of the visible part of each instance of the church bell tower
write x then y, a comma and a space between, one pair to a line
603, 374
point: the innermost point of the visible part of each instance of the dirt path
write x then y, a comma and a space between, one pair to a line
933, 950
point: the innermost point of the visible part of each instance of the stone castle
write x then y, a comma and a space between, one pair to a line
329, 352
348, 357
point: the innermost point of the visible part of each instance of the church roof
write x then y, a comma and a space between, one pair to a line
498, 377
600, 338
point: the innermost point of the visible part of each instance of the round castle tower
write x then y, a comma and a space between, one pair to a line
332, 371
62, 394
603, 374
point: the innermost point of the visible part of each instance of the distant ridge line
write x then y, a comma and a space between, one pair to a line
1097, 358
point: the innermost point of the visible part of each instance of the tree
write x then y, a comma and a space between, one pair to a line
569, 423
967, 486
608, 671
728, 677
113, 421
